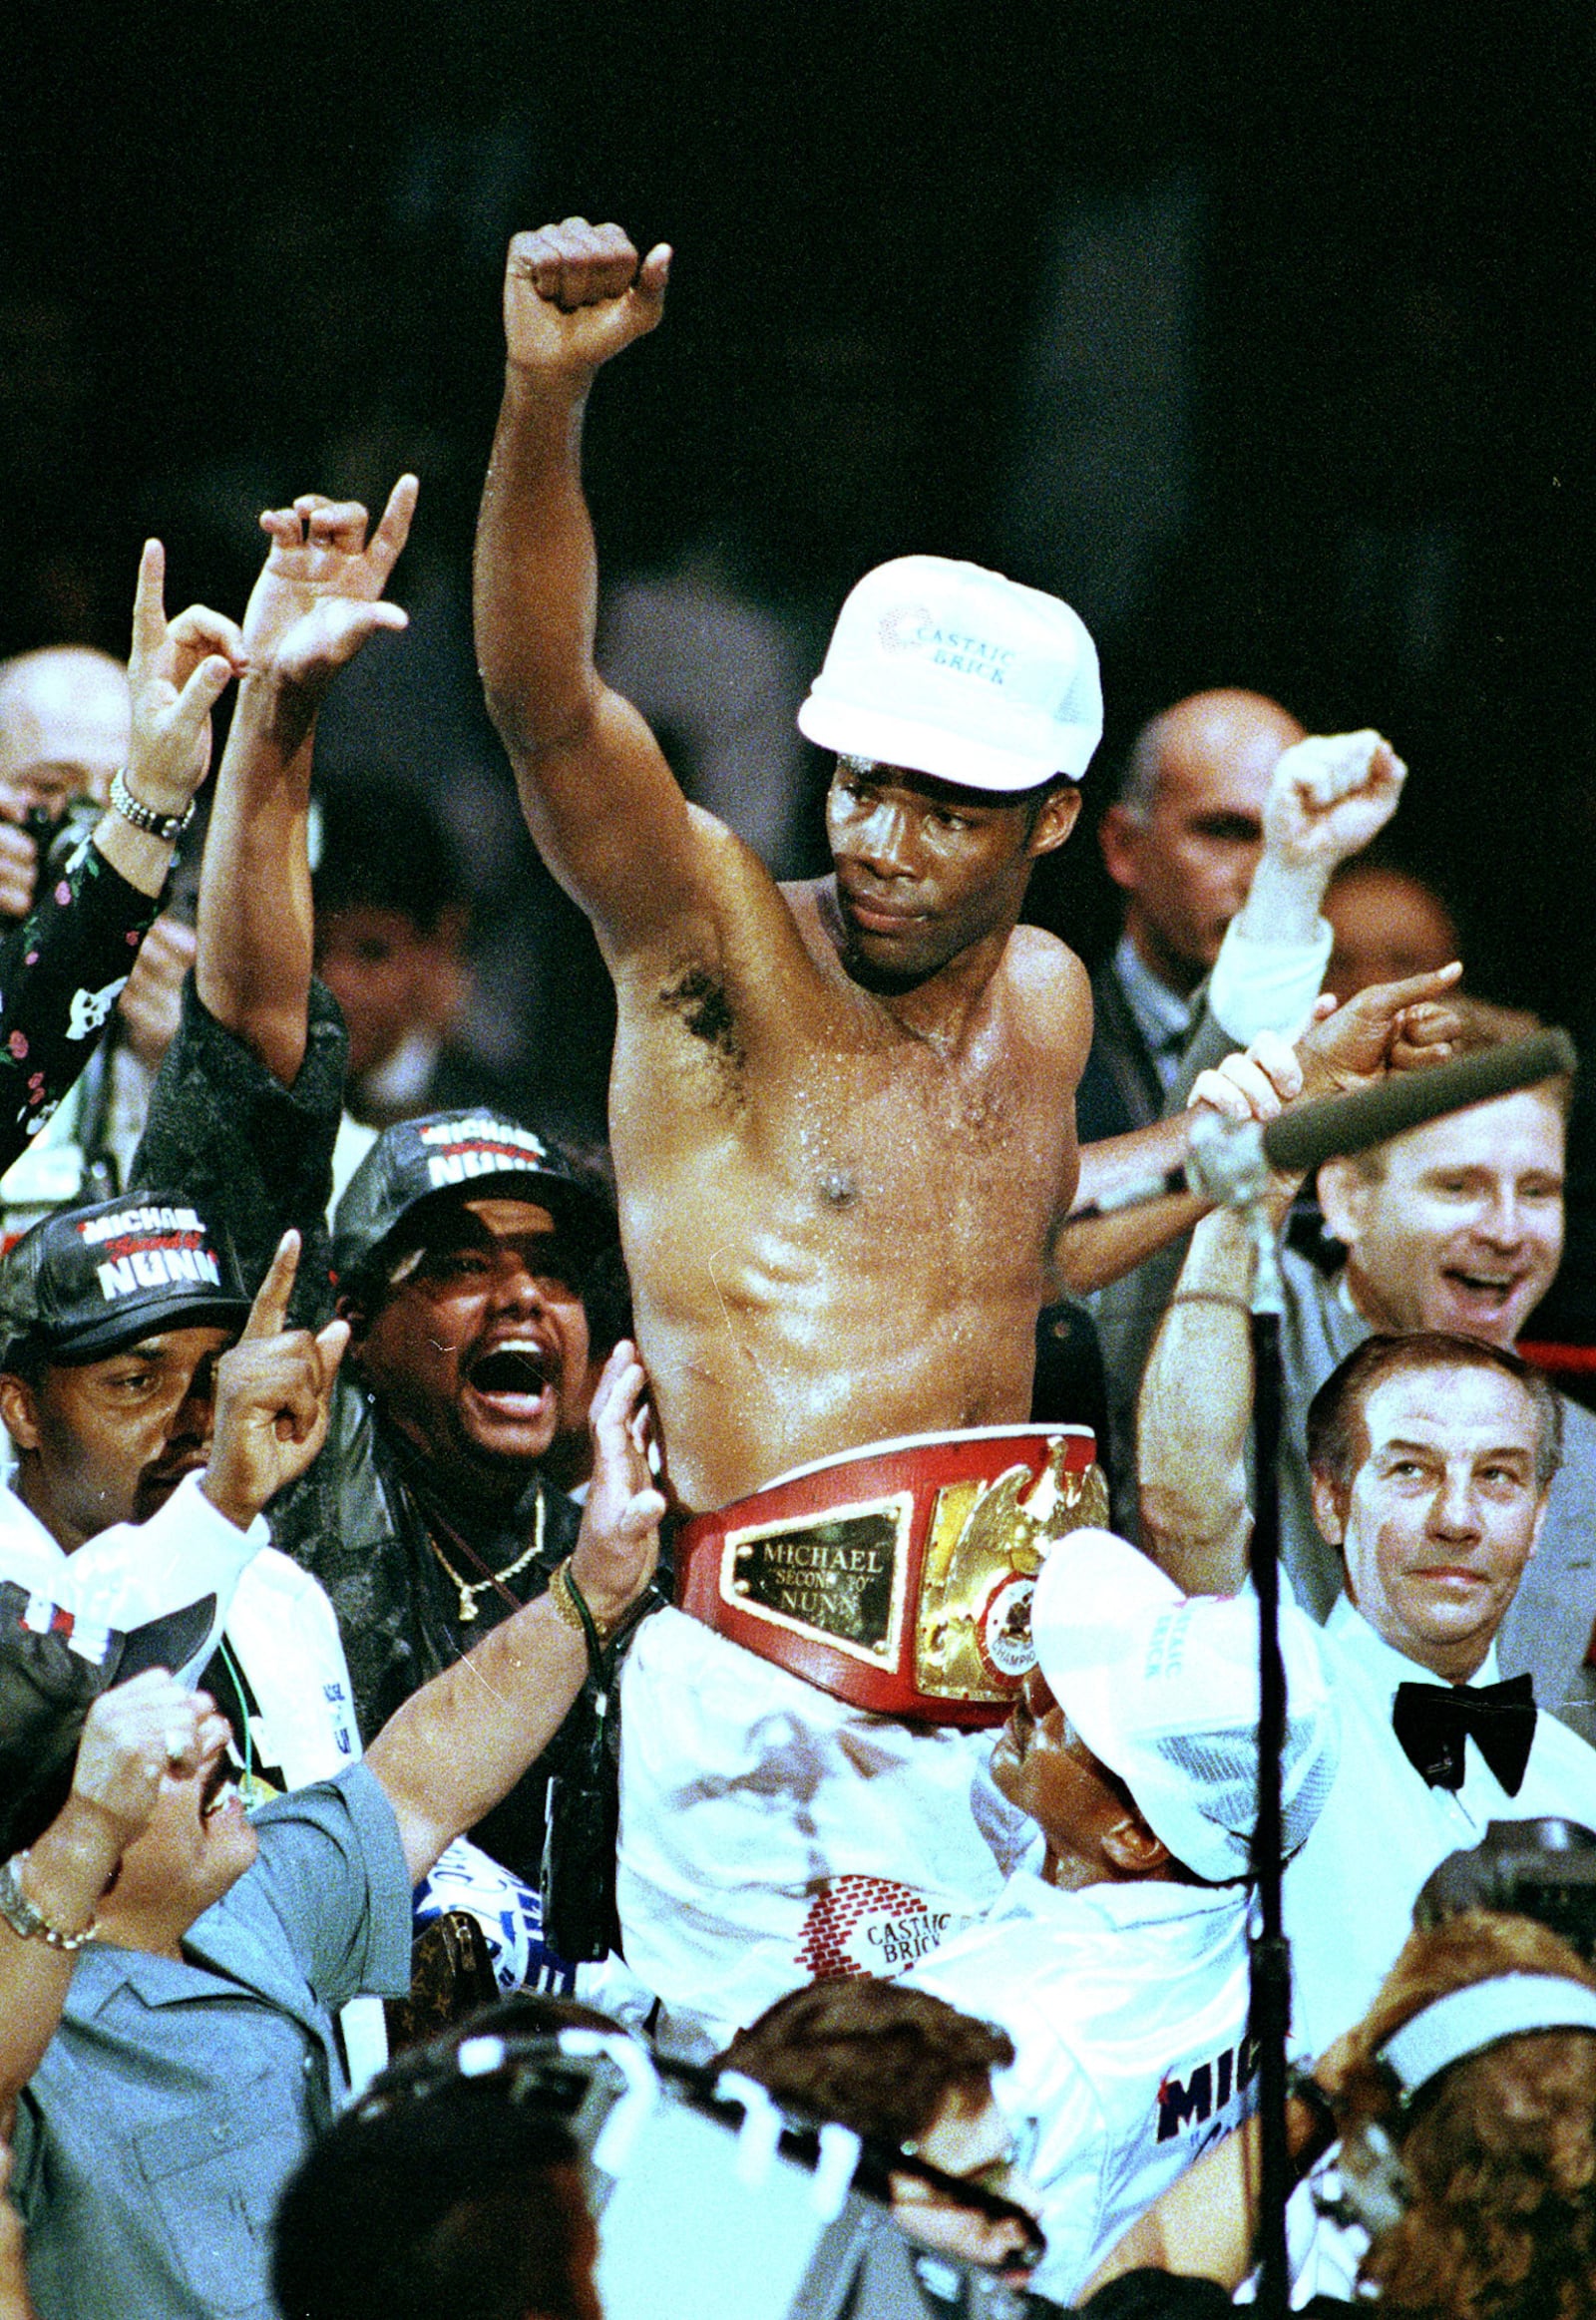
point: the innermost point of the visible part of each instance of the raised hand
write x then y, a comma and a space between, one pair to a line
1329, 796
318, 597
576, 295
617, 1546
177, 671
1255, 1083
1390, 1027
274, 1397
133, 1737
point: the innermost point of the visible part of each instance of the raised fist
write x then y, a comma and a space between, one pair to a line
1331, 795
133, 1737
576, 295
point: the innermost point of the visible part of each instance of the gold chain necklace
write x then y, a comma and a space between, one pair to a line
470, 1589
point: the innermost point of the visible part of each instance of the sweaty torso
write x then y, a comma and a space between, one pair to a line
837, 1225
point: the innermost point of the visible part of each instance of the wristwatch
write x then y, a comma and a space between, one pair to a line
26, 1919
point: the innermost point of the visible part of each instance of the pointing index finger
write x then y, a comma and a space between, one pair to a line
269, 1313
394, 529
1391, 997
149, 612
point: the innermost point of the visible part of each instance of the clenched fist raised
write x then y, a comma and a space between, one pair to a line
576, 295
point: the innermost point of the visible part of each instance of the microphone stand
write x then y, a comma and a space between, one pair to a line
1270, 1951
1234, 1170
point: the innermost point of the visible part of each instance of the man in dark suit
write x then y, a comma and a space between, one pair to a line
1225, 867
1182, 841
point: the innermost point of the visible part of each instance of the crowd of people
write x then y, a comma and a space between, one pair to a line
676, 1728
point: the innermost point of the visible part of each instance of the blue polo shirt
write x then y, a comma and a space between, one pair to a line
176, 2098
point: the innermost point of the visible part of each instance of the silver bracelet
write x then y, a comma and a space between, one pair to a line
26, 1919
166, 827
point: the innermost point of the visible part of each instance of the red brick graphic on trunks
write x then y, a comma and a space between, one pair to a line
869, 1925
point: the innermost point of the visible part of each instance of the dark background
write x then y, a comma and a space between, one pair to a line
1345, 252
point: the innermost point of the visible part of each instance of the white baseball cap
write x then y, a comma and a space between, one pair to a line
1163, 1686
954, 671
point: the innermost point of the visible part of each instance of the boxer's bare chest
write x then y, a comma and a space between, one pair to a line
905, 1138
830, 1132
837, 1204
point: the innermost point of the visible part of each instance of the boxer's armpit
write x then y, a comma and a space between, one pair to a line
701, 1002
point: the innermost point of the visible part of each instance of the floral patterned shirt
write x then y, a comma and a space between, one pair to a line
61, 974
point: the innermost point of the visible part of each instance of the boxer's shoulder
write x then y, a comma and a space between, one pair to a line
1050, 991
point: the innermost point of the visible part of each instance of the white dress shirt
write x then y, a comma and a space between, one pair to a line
1164, 1016
278, 1621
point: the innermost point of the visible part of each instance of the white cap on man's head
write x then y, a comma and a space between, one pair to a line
946, 669
1163, 1688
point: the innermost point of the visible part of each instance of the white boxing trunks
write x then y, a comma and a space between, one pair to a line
776, 1825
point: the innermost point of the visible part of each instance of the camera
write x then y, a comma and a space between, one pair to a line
1545, 1869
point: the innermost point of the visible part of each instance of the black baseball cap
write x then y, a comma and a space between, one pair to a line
89, 1280
54, 1664
466, 1153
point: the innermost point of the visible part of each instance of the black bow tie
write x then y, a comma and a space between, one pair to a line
1432, 1720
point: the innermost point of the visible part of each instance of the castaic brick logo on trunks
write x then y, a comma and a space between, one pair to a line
461, 1149
151, 1248
870, 1925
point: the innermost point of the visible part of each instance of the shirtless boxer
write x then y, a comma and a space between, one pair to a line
841, 1113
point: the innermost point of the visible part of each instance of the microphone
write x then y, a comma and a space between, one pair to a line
1230, 1160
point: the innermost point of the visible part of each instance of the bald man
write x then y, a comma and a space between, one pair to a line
65, 724
1228, 829
1181, 842
66, 730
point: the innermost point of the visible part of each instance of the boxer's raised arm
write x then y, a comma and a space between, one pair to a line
598, 796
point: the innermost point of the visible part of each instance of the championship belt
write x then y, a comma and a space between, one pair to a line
898, 1577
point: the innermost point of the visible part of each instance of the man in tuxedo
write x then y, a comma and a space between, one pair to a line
1432, 1456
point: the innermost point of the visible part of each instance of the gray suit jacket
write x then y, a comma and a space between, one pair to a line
1129, 1312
